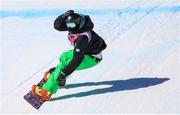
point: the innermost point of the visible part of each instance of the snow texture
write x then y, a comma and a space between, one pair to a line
140, 68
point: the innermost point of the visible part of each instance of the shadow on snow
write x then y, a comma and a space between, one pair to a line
116, 85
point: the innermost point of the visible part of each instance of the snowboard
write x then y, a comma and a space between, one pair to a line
35, 101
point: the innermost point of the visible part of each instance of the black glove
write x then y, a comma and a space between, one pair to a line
62, 81
67, 13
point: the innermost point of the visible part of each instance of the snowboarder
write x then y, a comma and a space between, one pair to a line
86, 53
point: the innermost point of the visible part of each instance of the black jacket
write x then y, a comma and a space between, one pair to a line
82, 44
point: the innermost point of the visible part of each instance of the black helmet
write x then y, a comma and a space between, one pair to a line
75, 21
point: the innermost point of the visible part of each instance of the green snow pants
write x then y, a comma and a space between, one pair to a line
52, 84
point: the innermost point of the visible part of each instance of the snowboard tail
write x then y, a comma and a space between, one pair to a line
33, 100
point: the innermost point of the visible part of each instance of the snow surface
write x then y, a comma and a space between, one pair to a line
139, 72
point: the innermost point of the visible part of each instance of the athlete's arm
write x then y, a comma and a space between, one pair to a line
78, 55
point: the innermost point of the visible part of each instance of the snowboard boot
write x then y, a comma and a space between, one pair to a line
41, 93
47, 74
45, 78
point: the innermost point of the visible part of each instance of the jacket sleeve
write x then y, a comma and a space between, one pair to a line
59, 23
78, 56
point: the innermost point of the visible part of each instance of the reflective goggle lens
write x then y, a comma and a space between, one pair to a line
70, 25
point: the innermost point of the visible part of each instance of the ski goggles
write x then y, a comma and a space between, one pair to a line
70, 25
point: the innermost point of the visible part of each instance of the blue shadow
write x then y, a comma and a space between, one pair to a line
115, 86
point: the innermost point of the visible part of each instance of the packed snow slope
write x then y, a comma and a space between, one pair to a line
140, 68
